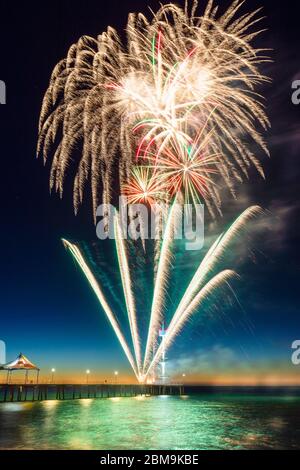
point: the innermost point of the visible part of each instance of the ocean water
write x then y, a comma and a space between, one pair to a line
194, 422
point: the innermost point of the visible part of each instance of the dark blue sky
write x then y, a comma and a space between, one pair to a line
47, 309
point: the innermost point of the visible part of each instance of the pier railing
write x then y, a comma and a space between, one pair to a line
40, 392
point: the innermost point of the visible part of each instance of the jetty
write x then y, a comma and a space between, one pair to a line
41, 392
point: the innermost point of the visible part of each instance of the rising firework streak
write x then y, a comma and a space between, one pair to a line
204, 284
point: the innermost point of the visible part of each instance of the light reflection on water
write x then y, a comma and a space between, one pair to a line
187, 422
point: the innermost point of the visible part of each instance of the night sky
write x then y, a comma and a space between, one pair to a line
48, 310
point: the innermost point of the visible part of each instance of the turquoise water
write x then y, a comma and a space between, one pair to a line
191, 422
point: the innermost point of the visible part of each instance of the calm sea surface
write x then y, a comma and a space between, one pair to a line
190, 422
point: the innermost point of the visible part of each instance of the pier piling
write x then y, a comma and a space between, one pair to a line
42, 392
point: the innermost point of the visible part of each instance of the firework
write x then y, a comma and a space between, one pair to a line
204, 284
176, 74
174, 111
186, 169
144, 187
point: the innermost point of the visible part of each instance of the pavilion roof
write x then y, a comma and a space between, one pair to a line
21, 363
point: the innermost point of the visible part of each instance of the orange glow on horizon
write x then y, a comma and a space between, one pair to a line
261, 378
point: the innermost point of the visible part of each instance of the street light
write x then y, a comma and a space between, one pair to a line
52, 375
116, 375
87, 375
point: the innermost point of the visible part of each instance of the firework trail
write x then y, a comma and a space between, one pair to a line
192, 297
127, 289
199, 289
161, 281
76, 253
213, 285
213, 257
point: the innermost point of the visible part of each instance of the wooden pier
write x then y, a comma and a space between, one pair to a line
41, 392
